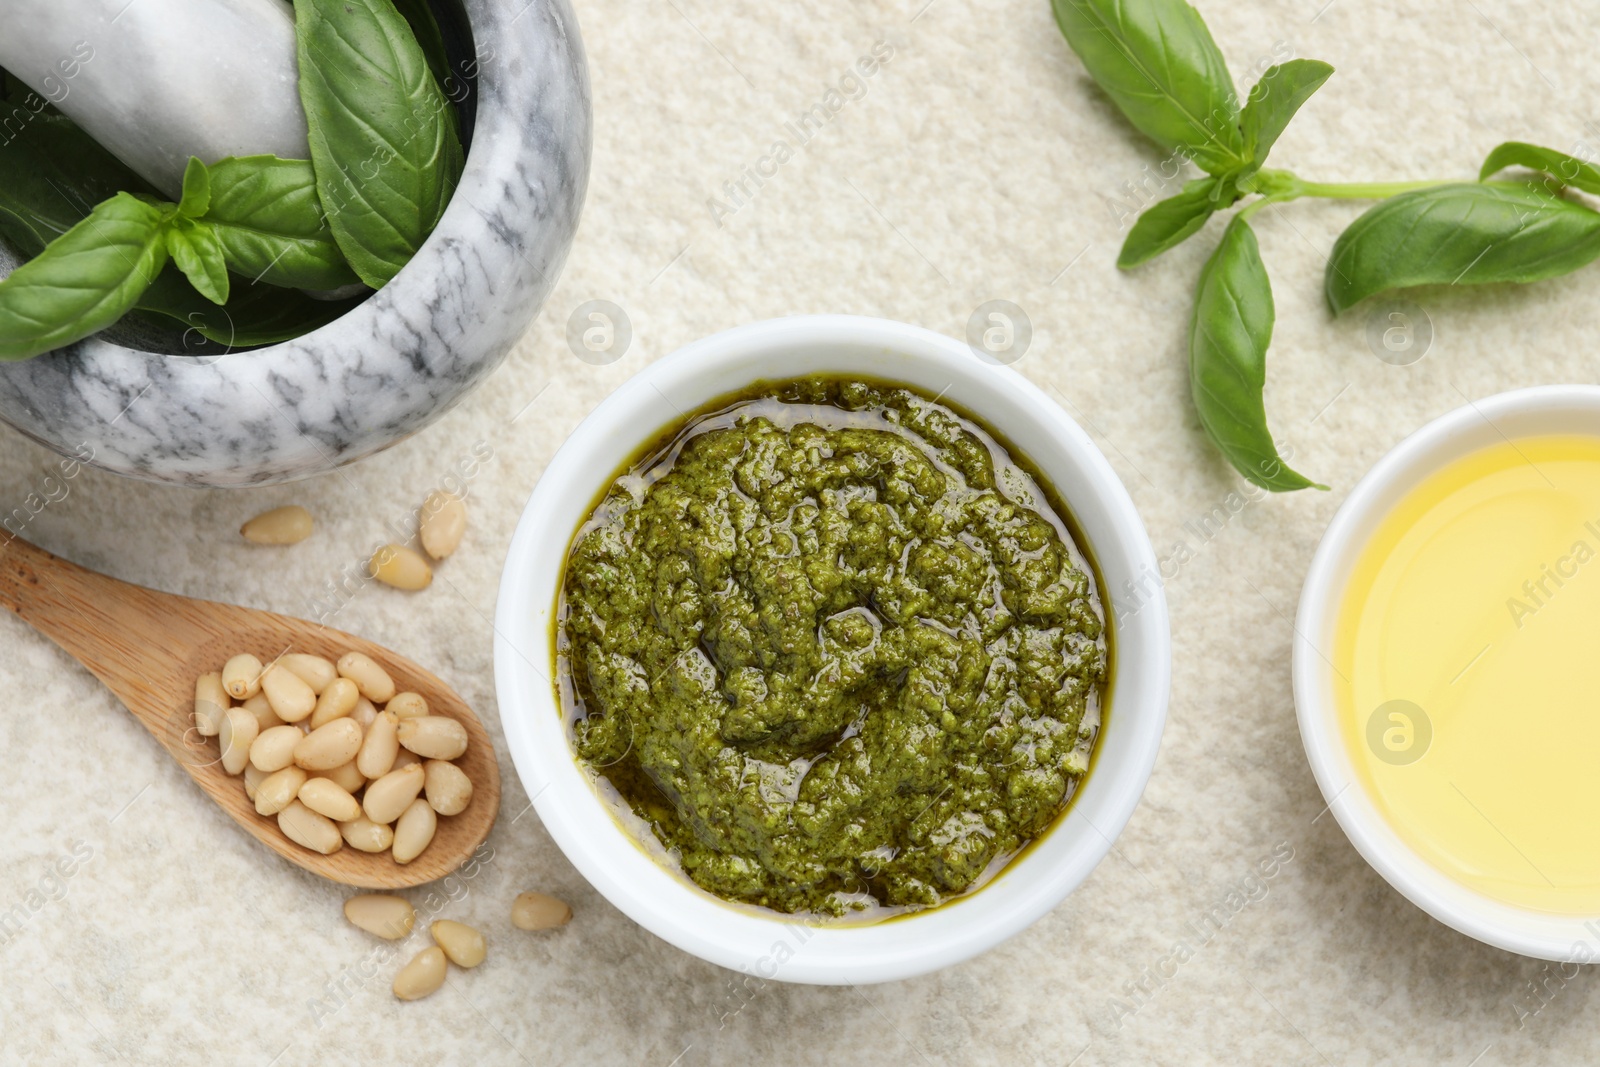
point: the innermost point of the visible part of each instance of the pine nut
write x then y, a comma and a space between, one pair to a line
434, 737
387, 798
291, 698
401, 567
273, 748
367, 836
238, 732
538, 911
382, 914
447, 786
278, 790
461, 943
325, 798
315, 671
372, 680
280, 526
364, 713
406, 758
328, 746
345, 776
210, 704
413, 831
241, 676
261, 708
337, 700
443, 521
253, 777
305, 827
423, 975
407, 706
379, 747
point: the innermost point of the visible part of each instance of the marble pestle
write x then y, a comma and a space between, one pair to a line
156, 81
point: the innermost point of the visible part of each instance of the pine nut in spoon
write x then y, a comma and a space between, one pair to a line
149, 647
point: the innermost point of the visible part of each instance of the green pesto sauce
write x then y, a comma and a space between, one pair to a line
834, 645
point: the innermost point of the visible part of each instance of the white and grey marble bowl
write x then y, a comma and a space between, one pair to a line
391, 365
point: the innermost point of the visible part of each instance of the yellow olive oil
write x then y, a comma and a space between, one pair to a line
1467, 660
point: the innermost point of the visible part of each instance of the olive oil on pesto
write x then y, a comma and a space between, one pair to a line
836, 646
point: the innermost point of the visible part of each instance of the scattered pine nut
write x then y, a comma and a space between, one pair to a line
423, 975
401, 567
281, 526
539, 911
382, 914
442, 522
462, 944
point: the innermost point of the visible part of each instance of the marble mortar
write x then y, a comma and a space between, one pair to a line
390, 366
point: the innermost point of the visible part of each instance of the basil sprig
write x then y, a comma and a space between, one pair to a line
386, 156
1159, 64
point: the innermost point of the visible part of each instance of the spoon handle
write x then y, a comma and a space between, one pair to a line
133, 639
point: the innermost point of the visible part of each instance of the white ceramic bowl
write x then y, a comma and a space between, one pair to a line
1525, 412
666, 903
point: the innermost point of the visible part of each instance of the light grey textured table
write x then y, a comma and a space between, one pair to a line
977, 164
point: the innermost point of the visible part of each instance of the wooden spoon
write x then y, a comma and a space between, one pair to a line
149, 647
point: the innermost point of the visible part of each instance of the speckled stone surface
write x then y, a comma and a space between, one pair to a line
978, 164
390, 366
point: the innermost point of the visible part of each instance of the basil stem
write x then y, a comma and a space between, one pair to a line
383, 148
1229, 333
1460, 234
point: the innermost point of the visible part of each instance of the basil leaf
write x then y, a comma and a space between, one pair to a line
254, 314
1174, 220
52, 174
385, 153
196, 251
1563, 168
1228, 339
85, 280
1274, 100
196, 196
266, 215
1158, 63
1466, 234
425, 27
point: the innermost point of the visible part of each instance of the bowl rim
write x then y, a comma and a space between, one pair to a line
737, 938
1459, 432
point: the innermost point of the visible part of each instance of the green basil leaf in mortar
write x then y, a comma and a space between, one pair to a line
385, 154
1158, 63
1274, 100
1228, 339
52, 175
1560, 166
1174, 220
1465, 234
85, 280
196, 252
258, 314
425, 27
269, 220
196, 196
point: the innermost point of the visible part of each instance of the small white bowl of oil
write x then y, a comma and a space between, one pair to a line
1447, 670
